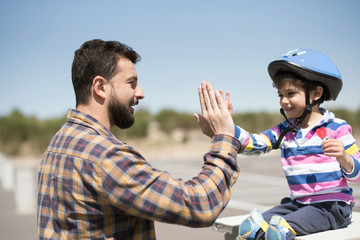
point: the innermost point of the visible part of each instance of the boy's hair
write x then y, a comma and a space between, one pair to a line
298, 81
97, 58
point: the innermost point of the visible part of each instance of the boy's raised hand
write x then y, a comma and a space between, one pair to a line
335, 148
216, 112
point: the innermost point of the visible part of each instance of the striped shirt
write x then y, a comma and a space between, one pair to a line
93, 186
311, 175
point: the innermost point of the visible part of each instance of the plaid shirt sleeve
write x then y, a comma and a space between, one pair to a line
93, 186
133, 186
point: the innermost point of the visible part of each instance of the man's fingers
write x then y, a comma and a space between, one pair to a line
201, 98
215, 117
212, 97
204, 98
230, 108
227, 97
227, 100
220, 101
214, 100
197, 117
209, 98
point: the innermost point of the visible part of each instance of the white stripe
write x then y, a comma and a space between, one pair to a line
311, 168
304, 142
243, 135
347, 139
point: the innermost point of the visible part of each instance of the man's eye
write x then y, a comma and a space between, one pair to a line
133, 84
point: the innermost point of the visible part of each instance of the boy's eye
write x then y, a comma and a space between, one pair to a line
291, 93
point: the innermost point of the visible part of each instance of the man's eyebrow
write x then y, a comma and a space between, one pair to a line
133, 78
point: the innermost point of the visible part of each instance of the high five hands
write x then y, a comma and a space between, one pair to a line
216, 111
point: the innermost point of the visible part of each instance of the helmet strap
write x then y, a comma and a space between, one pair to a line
307, 110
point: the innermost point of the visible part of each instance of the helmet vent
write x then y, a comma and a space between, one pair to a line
298, 53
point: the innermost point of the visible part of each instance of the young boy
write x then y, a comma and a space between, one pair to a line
318, 151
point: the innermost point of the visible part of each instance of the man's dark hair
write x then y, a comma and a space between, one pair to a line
97, 58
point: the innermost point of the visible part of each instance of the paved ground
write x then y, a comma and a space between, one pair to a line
15, 226
261, 184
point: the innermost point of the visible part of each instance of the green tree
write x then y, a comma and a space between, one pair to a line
19, 132
168, 120
257, 122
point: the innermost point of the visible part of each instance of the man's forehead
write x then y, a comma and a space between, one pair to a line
125, 64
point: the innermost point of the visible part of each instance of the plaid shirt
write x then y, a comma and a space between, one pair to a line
93, 186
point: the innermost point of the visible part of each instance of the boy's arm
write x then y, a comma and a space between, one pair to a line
347, 153
353, 155
254, 144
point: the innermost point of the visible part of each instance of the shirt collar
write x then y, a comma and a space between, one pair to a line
78, 117
327, 116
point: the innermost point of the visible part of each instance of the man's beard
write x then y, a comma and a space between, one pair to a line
119, 114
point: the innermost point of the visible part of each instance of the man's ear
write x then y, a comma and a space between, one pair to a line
318, 92
99, 86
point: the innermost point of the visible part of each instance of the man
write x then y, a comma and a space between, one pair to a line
94, 186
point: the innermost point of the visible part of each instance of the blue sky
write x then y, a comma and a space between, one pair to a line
229, 43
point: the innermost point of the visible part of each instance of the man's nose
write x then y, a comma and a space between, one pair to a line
139, 93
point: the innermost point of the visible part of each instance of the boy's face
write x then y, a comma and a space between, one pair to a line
292, 99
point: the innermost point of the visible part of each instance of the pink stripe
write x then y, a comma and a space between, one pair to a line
314, 187
306, 159
340, 132
327, 197
289, 136
310, 134
247, 137
277, 130
356, 155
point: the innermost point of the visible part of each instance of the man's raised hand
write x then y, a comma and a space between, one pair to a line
216, 111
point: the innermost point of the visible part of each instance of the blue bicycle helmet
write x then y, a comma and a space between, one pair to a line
312, 66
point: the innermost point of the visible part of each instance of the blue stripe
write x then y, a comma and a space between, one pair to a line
256, 148
237, 132
356, 169
335, 125
349, 145
303, 150
314, 178
255, 145
270, 135
348, 191
283, 125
